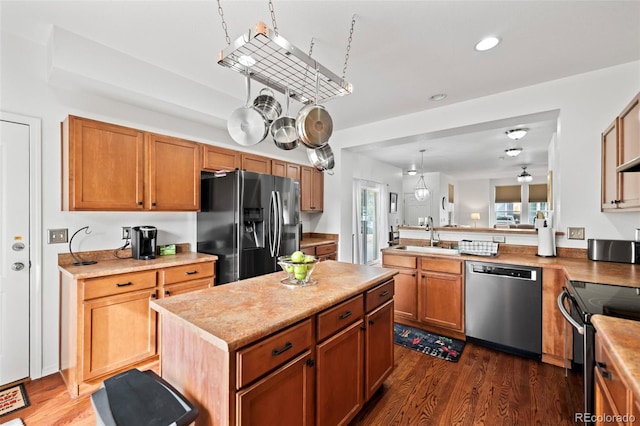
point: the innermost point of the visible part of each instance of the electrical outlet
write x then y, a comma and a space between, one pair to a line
575, 233
58, 236
126, 232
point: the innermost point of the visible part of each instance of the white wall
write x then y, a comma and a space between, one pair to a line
473, 196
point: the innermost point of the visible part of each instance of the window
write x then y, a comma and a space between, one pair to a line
369, 231
518, 204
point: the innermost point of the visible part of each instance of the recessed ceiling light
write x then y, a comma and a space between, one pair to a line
516, 134
438, 97
487, 43
513, 152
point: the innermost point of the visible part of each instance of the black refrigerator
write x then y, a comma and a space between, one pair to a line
247, 219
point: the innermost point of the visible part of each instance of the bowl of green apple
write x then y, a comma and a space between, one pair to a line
298, 267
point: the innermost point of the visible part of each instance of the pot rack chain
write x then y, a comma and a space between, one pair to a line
224, 24
273, 18
346, 56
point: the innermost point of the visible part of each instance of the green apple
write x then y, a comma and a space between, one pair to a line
300, 272
288, 268
309, 259
297, 256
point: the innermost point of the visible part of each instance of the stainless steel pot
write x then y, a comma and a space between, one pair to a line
283, 130
314, 124
267, 104
247, 126
321, 158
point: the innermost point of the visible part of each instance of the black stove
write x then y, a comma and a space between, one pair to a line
587, 299
604, 299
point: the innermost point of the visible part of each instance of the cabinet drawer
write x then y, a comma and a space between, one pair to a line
260, 358
441, 265
401, 261
378, 295
117, 284
611, 378
187, 286
340, 316
326, 249
311, 251
188, 272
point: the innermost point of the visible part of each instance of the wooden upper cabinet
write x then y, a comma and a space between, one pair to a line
215, 158
256, 163
293, 171
114, 168
174, 174
102, 166
621, 144
279, 168
311, 189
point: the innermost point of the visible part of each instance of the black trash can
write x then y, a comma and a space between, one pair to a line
141, 398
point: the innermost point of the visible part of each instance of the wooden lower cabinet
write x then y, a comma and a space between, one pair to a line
406, 297
440, 297
107, 326
118, 330
324, 251
378, 347
553, 323
285, 395
340, 369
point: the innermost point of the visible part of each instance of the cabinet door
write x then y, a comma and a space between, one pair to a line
441, 300
293, 171
406, 294
379, 347
174, 174
103, 166
603, 408
553, 323
629, 148
340, 379
186, 287
311, 189
215, 158
256, 163
278, 168
609, 163
285, 397
118, 331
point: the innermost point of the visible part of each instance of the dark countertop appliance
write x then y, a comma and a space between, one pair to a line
143, 242
579, 301
247, 219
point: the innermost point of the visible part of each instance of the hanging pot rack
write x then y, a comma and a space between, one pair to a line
280, 65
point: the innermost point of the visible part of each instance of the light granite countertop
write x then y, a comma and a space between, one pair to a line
622, 339
232, 315
122, 266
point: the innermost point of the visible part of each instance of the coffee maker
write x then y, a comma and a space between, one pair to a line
143, 242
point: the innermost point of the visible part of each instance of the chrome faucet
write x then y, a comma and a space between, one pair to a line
432, 240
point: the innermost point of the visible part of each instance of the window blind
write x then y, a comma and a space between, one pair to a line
538, 193
508, 194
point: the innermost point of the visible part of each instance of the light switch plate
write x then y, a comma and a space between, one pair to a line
58, 236
498, 239
575, 233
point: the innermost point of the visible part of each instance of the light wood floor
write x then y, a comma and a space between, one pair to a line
484, 387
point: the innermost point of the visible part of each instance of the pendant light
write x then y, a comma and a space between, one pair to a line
525, 176
421, 192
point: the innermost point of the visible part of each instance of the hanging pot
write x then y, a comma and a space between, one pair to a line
247, 126
321, 158
283, 130
267, 105
314, 124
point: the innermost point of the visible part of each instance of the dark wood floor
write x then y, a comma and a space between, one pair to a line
484, 387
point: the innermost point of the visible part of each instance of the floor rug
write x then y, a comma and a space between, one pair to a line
12, 399
427, 343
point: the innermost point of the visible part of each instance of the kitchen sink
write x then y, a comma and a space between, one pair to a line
433, 250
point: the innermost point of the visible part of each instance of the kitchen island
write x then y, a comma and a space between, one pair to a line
258, 352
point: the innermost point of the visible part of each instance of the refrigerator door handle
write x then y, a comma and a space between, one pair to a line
279, 221
272, 229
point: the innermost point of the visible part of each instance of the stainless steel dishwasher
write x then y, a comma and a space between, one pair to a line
503, 307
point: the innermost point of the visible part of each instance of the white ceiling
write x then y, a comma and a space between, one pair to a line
402, 53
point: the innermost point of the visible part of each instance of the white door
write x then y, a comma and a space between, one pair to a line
14, 252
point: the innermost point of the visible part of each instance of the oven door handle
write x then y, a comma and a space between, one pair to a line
566, 314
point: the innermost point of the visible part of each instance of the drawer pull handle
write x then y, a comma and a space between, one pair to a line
310, 362
124, 284
384, 293
191, 272
154, 296
345, 315
285, 348
601, 366
167, 293
371, 322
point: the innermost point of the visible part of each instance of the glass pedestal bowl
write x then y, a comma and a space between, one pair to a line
298, 273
